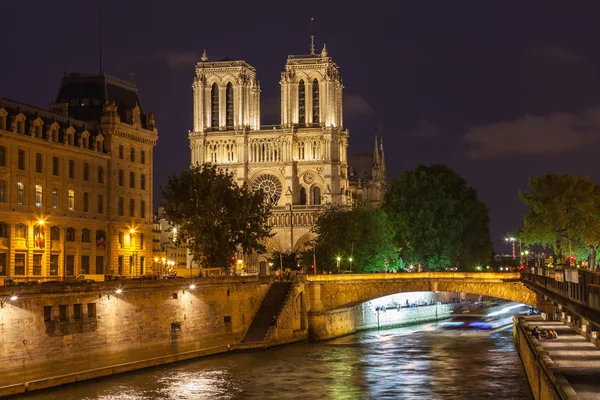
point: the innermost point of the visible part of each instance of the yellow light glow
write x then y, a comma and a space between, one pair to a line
132, 231
41, 222
164, 259
239, 261
155, 259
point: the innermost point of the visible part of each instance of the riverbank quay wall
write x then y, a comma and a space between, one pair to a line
545, 380
56, 334
335, 300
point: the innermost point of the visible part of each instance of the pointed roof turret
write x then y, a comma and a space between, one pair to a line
376, 152
324, 51
204, 57
382, 159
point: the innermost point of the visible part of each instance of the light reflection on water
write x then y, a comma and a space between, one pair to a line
406, 363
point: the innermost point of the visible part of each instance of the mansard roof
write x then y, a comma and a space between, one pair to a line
87, 94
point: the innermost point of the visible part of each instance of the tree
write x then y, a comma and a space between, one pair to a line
438, 219
284, 260
563, 214
360, 232
214, 216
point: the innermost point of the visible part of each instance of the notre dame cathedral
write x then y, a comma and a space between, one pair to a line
301, 163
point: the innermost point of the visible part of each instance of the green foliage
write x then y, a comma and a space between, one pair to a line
362, 233
563, 214
285, 260
214, 216
438, 219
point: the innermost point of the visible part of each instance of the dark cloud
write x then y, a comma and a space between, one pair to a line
426, 129
534, 135
355, 105
180, 59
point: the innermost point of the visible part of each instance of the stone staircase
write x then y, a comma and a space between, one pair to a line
270, 306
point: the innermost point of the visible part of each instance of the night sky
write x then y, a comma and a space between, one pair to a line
498, 92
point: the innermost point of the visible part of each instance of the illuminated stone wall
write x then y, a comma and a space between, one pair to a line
92, 326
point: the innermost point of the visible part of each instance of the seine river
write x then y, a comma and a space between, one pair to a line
418, 362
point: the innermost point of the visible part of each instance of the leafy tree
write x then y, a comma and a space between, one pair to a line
360, 232
438, 219
214, 216
563, 214
284, 259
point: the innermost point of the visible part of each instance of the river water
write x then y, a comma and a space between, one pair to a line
417, 362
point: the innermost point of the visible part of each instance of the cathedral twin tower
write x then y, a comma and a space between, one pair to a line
301, 161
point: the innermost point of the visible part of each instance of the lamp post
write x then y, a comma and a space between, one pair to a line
338, 263
350, 264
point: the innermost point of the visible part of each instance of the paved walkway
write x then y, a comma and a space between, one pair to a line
577, 359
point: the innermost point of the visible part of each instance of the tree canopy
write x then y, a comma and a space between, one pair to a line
563, 214
360, 232
438, 219
215, 216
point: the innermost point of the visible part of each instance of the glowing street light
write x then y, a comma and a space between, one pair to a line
338, 263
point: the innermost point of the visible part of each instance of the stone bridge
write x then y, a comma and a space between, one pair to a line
334, 298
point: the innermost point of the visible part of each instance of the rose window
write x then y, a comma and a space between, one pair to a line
270, 186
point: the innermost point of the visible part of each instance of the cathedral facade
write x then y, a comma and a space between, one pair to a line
300, 163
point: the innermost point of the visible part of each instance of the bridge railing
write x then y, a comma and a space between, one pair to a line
575, 284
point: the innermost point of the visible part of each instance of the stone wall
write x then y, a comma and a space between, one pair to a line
292, 321
49, 331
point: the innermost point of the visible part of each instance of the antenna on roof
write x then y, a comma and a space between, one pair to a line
100, 41
312, 36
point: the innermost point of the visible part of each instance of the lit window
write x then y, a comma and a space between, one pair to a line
38, 195
71, 205
20, 193
54, 198
2, 191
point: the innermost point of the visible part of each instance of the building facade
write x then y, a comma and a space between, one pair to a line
300, 163
76, 182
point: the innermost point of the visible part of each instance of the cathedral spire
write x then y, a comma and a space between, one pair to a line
324, 51
204, 57
376, 153
382, 160
312, 36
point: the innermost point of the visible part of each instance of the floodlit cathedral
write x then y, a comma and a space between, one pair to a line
301, 163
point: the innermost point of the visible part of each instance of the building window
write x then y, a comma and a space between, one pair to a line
21, 231
19, 264
315, 101
85, 264
38, 195
121, 241
120, 152
86, 171
77, 308
301, 103
3, 230
85, 235
71, 169
37, 264
100, 240
214, 105
143, 182
54, 264
54, 198
2, 191
120, 177
131, 207
141, 236
47, 313
121, 207
229, 102
142, 209
91, 310
100, 204
302, 196
2, 156
54, 233
132, 180
301, 152
21, 159
70, 271
38, 162
70, 234
71, 205
20, 193
99, 264
55, 166
142, 262
63, 313
143, 157
100, 174
131, 154
316, 195
3, 271
85, 202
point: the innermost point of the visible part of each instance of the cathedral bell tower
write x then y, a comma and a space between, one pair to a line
226, 96
311, 91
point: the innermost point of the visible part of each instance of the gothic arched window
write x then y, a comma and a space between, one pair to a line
301, 103
214, 105
315, 101
302, 196
229, 101
316, 195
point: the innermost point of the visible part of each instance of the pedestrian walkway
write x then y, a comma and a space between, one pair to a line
575, 358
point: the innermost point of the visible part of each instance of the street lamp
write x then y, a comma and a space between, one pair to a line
350, 264
338, 263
